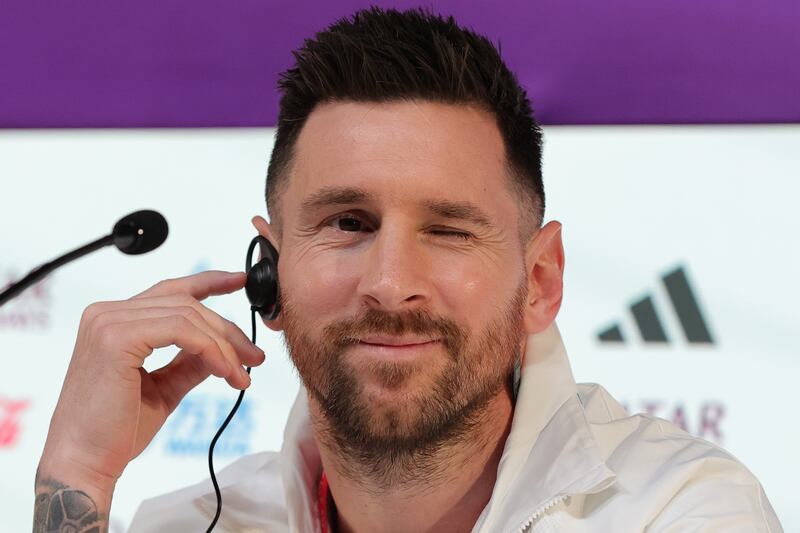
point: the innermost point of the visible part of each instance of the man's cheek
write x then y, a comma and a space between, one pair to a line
328, 285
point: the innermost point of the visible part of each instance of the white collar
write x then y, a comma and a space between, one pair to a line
550, 452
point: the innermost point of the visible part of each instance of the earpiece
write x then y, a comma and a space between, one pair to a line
262, 287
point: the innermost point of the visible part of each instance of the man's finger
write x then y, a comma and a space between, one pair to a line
125, 314
138, 338
200, 286
245, 351
234, 343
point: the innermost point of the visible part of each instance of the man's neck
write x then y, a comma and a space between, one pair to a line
464, 480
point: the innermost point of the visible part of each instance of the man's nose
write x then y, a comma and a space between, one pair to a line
396, 271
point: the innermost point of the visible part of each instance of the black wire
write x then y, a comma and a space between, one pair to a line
219, 433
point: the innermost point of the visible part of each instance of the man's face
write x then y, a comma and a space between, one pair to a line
400, 229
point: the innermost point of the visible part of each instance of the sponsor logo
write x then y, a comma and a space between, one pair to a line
648, 322
10, 417
703, 420
30, 309
198, 417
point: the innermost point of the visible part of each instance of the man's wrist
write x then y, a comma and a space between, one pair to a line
68, 494
61, 506
67, 467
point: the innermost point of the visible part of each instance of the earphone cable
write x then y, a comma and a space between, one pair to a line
219, 433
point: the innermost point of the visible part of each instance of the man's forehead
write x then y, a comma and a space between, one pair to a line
448, 159
343, 133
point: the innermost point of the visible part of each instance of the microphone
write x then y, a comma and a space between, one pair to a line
140, 232
137, 233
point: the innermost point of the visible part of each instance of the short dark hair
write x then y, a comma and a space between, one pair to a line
387, 55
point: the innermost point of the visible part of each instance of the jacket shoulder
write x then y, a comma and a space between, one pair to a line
250, 478
688, 483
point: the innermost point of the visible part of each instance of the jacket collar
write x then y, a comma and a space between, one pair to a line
301, 467
550, 452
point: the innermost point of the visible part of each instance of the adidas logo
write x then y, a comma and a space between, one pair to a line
650, 326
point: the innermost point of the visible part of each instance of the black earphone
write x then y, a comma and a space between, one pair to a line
263, 291
262, 286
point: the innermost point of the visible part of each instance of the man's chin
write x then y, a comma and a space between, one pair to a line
412, 416
392, 419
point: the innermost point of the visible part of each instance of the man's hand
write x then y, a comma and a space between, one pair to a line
110, 408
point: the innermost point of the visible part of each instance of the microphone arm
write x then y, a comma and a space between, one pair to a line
38, 273
137, 233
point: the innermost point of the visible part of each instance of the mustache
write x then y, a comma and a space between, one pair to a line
347, 332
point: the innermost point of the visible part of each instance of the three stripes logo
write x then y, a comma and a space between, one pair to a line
650, 325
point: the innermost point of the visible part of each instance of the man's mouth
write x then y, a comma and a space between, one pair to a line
380, 340
395, 348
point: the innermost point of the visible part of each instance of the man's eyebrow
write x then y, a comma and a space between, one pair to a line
328, 196
451, 209
459, 210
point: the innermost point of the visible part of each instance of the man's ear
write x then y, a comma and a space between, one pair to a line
265, 230
544, 261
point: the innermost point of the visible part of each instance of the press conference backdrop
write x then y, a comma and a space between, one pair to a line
680, 291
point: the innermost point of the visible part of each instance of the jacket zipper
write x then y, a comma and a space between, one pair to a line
538, 514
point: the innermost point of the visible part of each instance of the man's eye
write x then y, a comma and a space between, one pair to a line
454, 234
347, 223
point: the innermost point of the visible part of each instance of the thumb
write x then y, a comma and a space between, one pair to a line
181, 375
162, 391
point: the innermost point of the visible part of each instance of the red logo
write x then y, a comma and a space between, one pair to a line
10, 416
30, 309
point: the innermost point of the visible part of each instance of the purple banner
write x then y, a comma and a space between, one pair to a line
179, 63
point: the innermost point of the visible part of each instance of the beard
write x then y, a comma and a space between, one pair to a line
438, 402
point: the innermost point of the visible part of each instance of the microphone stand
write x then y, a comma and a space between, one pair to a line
38, 273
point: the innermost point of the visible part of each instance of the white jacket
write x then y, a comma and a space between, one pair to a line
574, 461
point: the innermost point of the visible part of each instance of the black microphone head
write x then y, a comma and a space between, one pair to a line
140, 232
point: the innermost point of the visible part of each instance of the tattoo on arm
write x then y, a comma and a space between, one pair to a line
62, 509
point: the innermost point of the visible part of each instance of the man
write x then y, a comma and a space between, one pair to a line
419, 289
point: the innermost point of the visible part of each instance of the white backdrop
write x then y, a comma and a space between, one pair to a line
717, 204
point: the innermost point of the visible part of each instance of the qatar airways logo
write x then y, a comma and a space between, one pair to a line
30, 310
703, 420
11, 411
